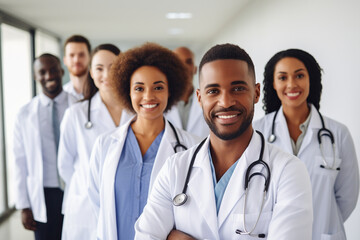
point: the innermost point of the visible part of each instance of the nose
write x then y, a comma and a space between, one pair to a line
148, 94
226, 100
48, 76
291, 82
105, 74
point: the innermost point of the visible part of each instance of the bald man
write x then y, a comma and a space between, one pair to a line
187, 114
37, 184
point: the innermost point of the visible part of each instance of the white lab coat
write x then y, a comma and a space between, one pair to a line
104, 160
335, 193
287, 212
75, 147
28, 167
196, 124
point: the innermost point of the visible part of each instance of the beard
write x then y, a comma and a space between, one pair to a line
78, 73
246, 121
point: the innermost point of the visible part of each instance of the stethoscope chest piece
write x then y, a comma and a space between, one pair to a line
272, 138
88, 125
179, 199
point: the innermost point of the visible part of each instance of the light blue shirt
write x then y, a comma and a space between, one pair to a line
132, 181
220, 187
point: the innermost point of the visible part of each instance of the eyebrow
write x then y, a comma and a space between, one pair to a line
232, 84
141, 83
300, 69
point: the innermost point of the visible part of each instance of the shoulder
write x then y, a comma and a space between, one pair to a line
260, 124
28, 107
334, 125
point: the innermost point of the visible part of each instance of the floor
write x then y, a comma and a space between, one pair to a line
12, 229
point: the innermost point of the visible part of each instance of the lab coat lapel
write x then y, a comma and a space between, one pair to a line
282, 133
110, 167
34, 129
98, 108
313, 128
201, 189
165, 150
235, 188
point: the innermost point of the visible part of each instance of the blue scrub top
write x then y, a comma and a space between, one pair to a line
132, 181
220, 187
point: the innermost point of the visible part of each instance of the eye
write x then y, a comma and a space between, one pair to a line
212, 91
282, 78
139, 89
300, 76
159, 88
239, 89
99, 69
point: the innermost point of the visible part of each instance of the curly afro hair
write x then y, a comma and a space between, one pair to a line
271, 100
149, 54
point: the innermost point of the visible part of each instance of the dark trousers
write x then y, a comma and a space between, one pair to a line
51, 230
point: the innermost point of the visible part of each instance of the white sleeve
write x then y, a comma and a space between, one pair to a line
157, 219
347, 181
95, 176
292, 213
20, 167
67, 152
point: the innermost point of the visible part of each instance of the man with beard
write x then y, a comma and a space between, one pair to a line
76, 58
36, 135
187, 114
233, 185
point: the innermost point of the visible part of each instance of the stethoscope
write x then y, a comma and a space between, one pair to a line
181, 198
89, 125
323, 131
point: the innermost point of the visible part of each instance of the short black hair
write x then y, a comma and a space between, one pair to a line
227, 51
271, 100
51, 56
154, 55
78, 39
90, 88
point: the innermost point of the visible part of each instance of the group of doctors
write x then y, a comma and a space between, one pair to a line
134, 166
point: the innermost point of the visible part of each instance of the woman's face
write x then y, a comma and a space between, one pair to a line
100, 68
291, 82
149, 92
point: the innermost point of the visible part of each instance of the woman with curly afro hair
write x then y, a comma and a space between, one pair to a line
149, 79
292, 91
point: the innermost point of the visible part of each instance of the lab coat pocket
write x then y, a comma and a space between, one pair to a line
336, 236
327, 167
262, 226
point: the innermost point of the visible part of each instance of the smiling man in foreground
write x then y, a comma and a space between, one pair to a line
233, 183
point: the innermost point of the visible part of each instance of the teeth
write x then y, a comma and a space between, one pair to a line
226, 116
149, 105
293, 94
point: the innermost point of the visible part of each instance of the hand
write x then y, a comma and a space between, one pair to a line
27, 219
178, 235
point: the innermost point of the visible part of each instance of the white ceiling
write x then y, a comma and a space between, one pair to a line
128, 22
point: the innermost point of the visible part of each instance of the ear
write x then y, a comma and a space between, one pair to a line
195, 70
257, 92
198, 95
62, 72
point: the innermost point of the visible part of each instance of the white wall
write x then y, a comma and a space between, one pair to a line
330, 31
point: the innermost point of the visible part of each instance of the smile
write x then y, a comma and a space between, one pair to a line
148, 106
226, 116
295, 94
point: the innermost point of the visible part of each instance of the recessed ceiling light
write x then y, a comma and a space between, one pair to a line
176, 31
178, 15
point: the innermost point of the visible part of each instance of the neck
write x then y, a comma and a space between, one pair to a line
78, 82
148, 128
296, 116
54, 95
233, 148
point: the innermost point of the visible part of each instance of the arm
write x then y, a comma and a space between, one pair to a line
292, 213
67, 148
178, 235
347, 182
157, 219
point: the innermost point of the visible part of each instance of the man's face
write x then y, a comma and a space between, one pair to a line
49, 73
77, 58
187, 57
227, 95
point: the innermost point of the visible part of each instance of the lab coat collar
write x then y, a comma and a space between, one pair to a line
235, 189
204, 196
96, 101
